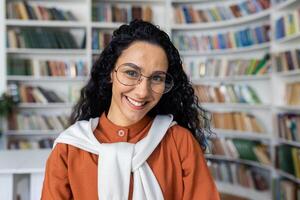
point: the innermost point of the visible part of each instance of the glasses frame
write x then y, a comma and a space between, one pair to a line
140, 79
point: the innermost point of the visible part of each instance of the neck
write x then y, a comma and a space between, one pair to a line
117, 120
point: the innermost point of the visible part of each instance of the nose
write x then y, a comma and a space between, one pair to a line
143, 88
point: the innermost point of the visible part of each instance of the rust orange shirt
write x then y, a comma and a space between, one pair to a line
177, 163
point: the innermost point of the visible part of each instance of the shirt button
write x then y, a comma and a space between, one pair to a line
121, 133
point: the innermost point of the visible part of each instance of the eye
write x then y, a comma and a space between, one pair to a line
158, 78
131, 73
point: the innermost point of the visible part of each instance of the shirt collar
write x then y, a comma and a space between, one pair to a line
112, 131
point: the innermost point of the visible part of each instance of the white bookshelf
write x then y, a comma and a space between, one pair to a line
289, 38
46, 51
242, 191
106, 25
241, 106
227, 23
46, 105
282, 78
288, 176
232, 79
45, 23
163, 12
275, 90
32, 132
2, 48
45, 78
83, 12
240, 161
285, 4
288, 73
242, 134
240, 50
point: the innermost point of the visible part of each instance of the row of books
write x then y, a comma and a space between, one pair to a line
288, 60
292, 96
289, 126
25, 67
278, 2
61, 68
239, 174
102, 12
42, 38
224, 40
240, 121
286, 190
288, 24
36, 94
241, 149
100, 39
227, 94
46, 143
288, 159
189, 14
34, 121
225, 67
23, 10
17, 66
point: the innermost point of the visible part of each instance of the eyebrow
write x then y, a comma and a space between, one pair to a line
139, 68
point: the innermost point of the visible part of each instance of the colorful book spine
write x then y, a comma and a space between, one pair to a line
100, 39
240, 39
288, 24
239, 174
190, 14
228, 93
25, 11
287, 60
104, 12
42, 38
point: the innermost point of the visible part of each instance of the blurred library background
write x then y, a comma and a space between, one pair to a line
242, 56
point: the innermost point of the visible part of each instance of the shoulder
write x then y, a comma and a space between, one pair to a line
61, 152
184, 140
181, 135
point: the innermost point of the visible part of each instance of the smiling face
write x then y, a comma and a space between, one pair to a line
129, 104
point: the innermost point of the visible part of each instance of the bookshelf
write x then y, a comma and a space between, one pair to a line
241, 191
271, 85
269, 82
81, 28
2, 48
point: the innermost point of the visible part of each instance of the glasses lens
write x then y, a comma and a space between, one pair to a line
161, 82
128, 75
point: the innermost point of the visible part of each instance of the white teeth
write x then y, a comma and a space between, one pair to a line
135, 102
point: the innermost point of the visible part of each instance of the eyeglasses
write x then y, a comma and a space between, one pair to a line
128, 74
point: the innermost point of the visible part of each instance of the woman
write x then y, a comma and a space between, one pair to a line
123, 143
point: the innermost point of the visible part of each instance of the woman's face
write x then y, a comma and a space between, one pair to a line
130, 104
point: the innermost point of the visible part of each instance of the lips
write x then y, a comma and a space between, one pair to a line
136, 104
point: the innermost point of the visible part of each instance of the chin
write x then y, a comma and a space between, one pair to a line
134, 117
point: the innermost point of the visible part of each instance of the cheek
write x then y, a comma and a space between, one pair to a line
156, 98
118, 89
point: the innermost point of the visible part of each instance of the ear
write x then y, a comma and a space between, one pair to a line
111, 77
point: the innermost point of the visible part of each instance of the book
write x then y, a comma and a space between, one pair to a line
284, 160
25, 10
292, 93
42, 38
288, 24
227, 94
236, 121
239, 174
106, 12
223, 40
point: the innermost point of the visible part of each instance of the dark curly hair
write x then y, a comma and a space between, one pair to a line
181, 101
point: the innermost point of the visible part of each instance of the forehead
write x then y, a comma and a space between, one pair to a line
149, 57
